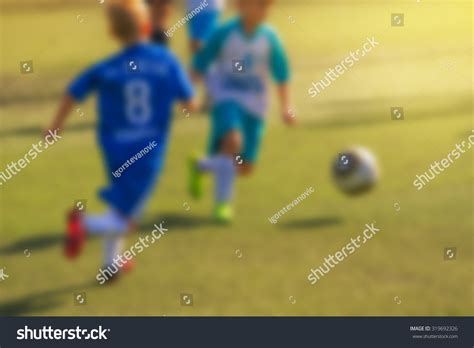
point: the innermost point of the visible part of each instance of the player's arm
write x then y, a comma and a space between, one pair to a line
77, 91
62, 113
287, 112
280, 69
181, 85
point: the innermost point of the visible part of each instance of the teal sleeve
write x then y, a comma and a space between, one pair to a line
204, 58
279, 64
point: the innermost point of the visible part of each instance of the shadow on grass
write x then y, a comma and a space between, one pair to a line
37, 131
41, 301
49, 240
185, 221
316, 222
35, 243
349, 113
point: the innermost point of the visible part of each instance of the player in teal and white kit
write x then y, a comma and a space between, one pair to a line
244, 54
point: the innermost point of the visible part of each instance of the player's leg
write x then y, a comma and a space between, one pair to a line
226, 174
113, 245
130, 194
225, 142
245, 141
126, 196
224, 118
80, 225
228, 139
107, 223
113, 242
112, 227
253, 128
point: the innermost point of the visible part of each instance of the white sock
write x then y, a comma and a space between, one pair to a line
225, 175
113, 246
108, 223
209, 164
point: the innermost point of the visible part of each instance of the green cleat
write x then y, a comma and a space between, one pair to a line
196, 178
223, 213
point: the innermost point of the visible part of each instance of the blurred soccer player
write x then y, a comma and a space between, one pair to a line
204, 22
244, 53
161, 12
136, 89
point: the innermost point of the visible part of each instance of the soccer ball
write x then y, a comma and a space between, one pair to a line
355, 170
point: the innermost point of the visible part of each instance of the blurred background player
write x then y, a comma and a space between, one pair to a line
161, 12
203, 23
244, 53
136, 89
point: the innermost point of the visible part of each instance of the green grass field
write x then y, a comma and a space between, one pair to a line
425, 67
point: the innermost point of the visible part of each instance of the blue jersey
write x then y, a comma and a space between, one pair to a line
135, 89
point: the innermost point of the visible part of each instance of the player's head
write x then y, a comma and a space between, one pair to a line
163, 5
160, 11
254, 11
129, 20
